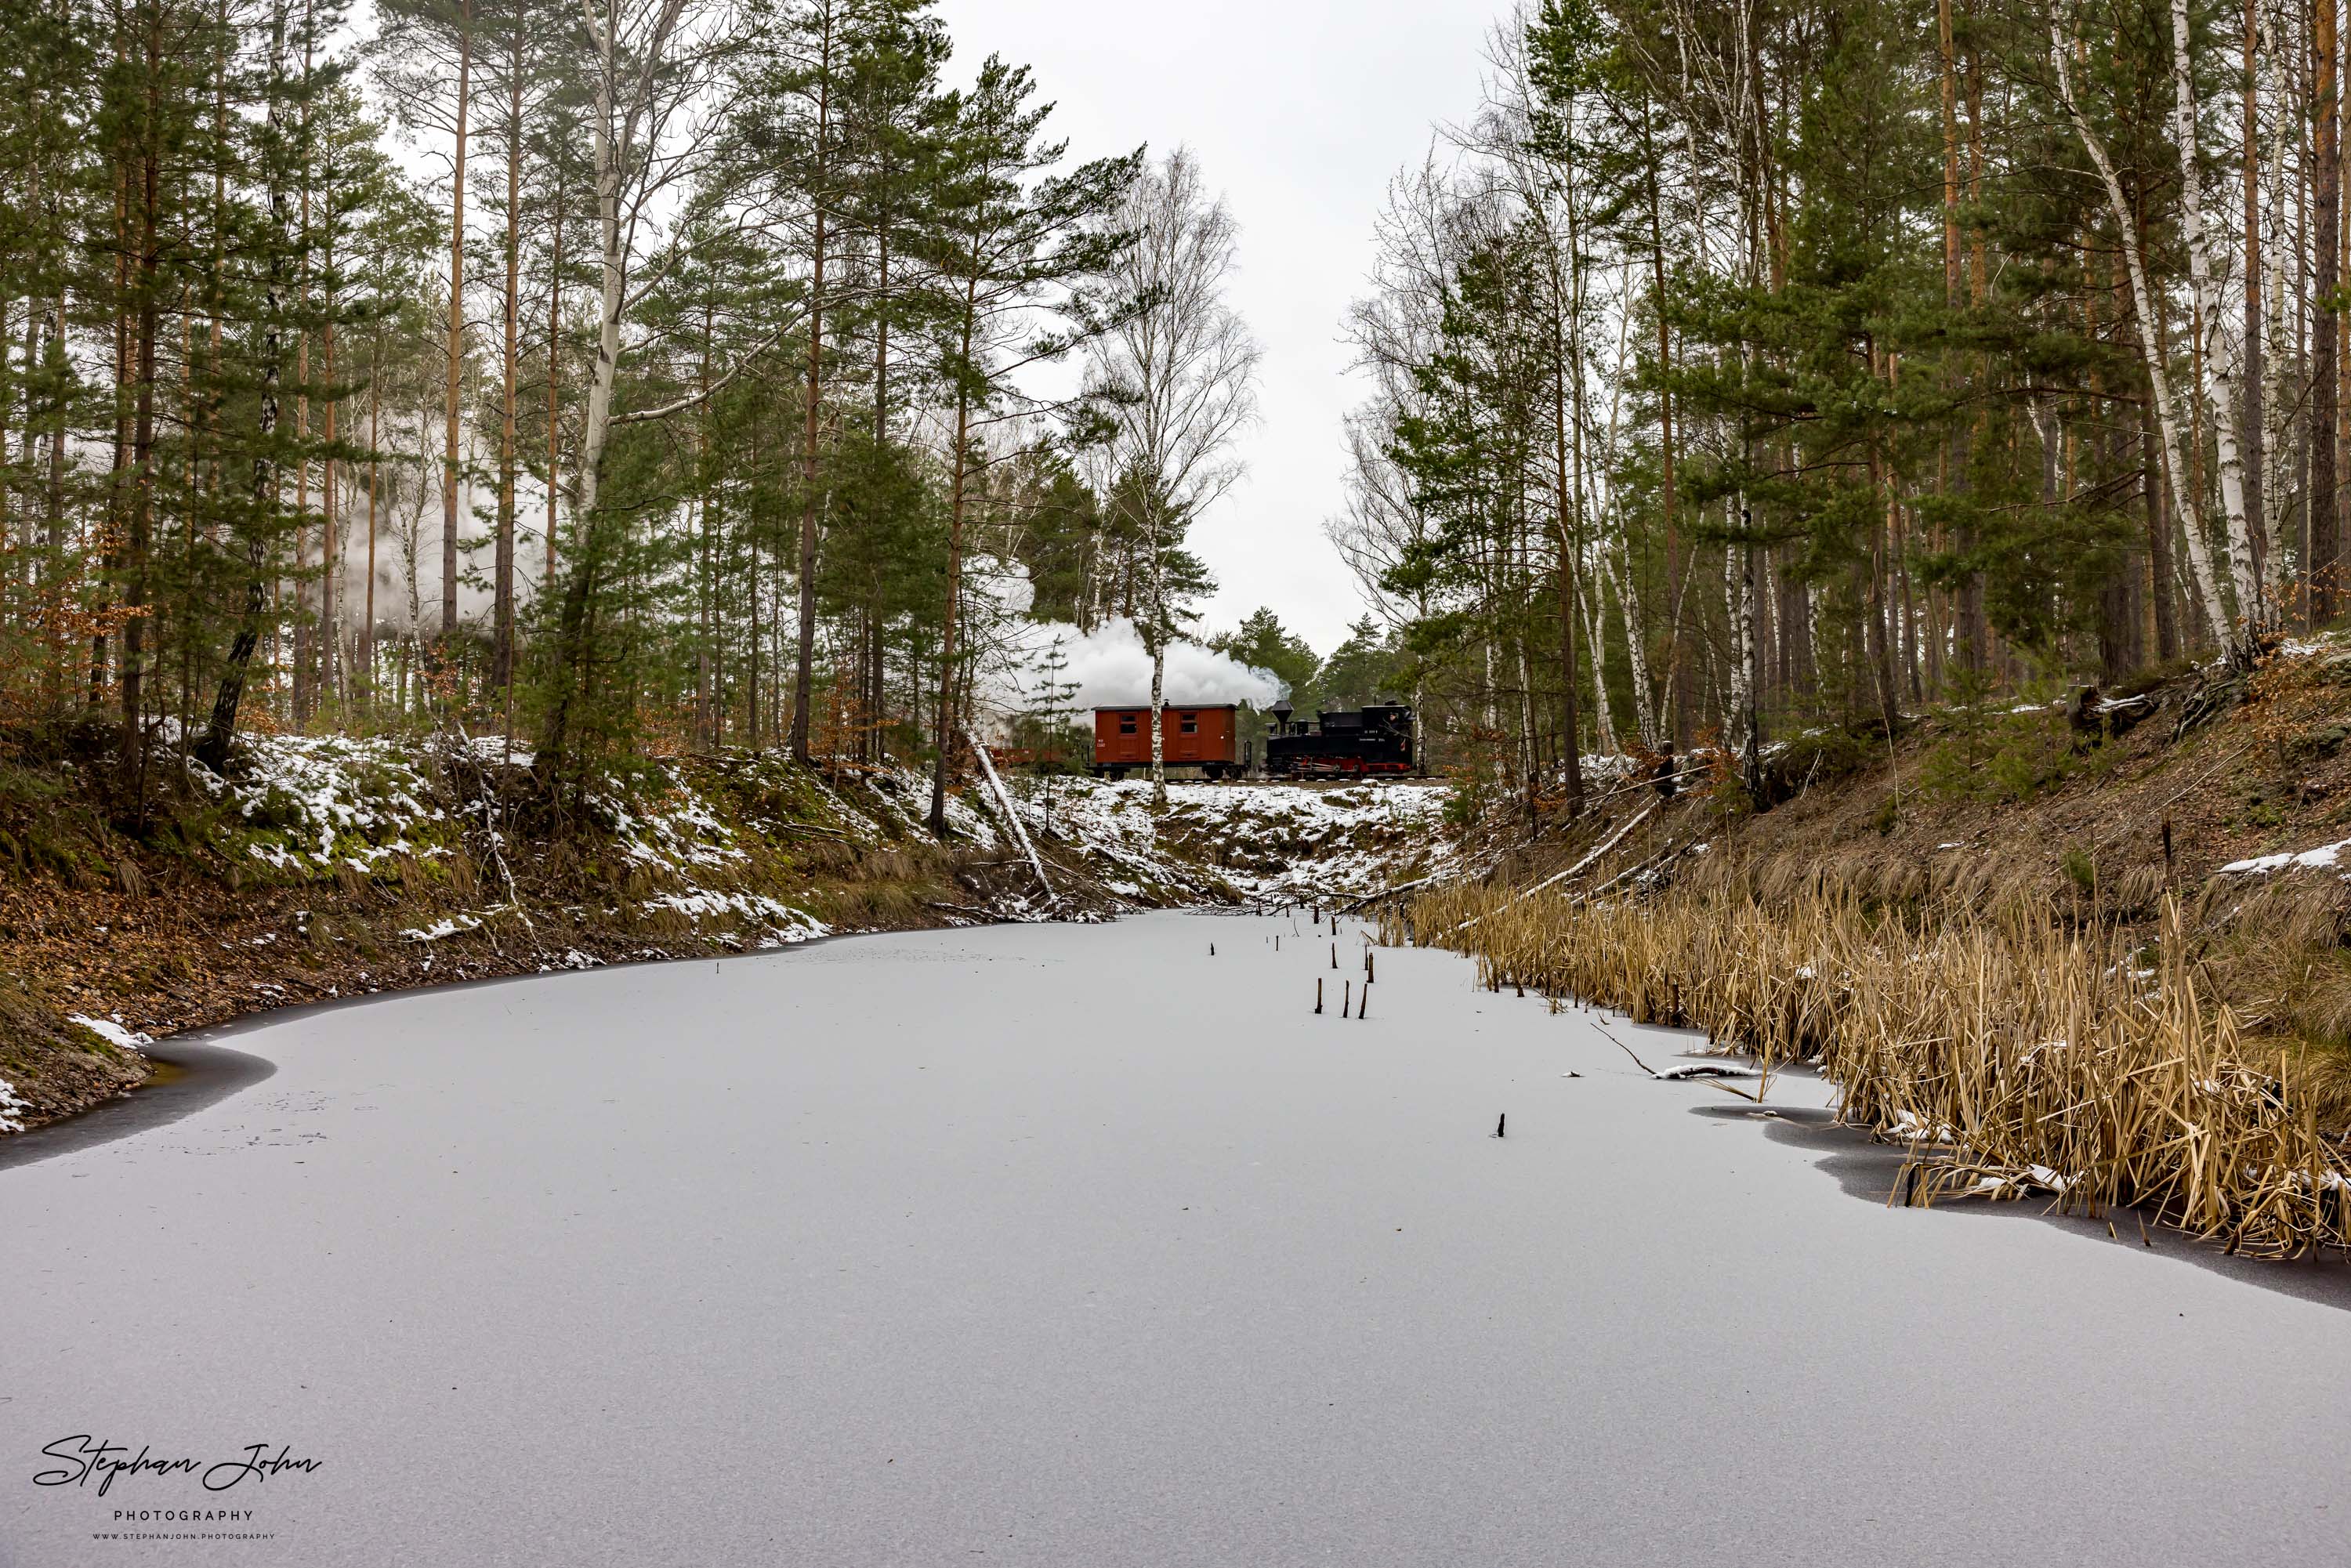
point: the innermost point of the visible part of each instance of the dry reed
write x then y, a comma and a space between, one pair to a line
2013, 1053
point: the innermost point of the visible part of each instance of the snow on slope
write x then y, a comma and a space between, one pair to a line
1255, 841
310, 807
306, 804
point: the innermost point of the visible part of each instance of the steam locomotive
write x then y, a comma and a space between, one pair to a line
1376, 738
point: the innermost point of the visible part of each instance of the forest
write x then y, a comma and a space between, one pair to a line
685, 352
1742, 368
666, 375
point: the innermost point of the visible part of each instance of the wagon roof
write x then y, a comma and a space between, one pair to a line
1146, 707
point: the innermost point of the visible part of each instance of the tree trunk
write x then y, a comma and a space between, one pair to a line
804, 656
1677, 666
1637, 654
1956, 452
212, 750
2253, 598
367, 628
2326, 200
2205, 272
134, 590
1158, 641
573, 621
449, 468
1593, 594
305, 674
328, 559
2158, 545
554, 347
503, 589
2151, 346
943, 728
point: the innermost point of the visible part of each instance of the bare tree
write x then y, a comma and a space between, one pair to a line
1180, 374
652, 67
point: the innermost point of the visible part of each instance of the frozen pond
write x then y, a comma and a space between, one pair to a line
1074, 1245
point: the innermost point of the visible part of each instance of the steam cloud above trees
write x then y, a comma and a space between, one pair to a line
1109, 667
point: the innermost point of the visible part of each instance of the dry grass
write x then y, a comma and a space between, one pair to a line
2015, 1051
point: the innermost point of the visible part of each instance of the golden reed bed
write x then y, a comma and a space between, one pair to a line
2013, 1056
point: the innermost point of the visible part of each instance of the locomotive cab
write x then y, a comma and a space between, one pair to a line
1342, 743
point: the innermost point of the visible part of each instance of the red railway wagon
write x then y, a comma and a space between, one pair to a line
1203, 736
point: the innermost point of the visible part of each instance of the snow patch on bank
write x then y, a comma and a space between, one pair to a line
305, 804
676, 830
783, 923
112, 1031
2319, 859
449, 926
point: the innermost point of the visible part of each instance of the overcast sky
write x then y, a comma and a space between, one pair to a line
1299, 110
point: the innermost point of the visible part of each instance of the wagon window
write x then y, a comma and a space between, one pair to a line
1126, 724
1191, 725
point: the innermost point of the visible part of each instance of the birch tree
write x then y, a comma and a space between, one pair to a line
1179, 375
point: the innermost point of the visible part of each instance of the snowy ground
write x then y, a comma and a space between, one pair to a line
1075, 1245
310, 807
1260, 841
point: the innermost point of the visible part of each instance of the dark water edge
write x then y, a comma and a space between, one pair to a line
192, 1071
1870, 1170
190, 1075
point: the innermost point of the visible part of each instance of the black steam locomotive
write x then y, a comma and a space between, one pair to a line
1375, 739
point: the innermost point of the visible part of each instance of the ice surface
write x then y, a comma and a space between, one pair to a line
1072, 1245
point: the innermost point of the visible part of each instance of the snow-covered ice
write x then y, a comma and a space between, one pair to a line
1072, 1245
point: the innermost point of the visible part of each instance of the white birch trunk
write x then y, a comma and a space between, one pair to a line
596, 424
1594, 619
2224, 355
1526, 717
1011, 812
1644, 699
1739, 600
1158, 672
1492, 720
2278, 479
2185, 502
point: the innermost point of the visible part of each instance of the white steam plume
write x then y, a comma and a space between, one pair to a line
1111, 668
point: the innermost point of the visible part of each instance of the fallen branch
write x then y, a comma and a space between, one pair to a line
1676, 1077
1633, 870
1613, 840
1012, 817
1371, 898
1625, 1048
